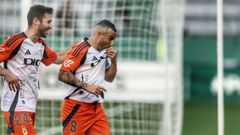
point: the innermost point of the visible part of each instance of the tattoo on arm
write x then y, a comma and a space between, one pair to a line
69, 78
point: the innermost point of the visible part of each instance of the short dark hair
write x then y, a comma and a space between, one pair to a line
107, 24
37, 11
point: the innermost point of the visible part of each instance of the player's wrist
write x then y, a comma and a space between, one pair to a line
4, 72
114, 61
79, 84
83, 85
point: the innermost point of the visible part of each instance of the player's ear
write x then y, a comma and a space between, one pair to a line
36, 21
98, 34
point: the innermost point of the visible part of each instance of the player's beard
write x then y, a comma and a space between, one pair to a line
43, 32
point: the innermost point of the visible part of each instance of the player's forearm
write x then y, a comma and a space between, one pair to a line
61, 55
3, 71
70, 79
111, 72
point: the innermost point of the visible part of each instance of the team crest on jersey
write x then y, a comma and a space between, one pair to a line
2, 49
24, 131
67, 63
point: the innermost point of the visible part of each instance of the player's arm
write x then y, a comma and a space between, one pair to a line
13, 80
70, 79
7, 47
111, 71
69, 66
61, 55
52, 57
3, 71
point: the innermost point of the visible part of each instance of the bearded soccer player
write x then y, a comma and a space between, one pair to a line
84, 69
21, 55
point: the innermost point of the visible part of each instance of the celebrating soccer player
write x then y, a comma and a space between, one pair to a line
22, 54
85, 68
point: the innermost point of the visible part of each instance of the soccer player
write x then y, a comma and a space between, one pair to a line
22, 54
84, 69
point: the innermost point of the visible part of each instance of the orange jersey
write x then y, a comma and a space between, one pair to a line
22, 57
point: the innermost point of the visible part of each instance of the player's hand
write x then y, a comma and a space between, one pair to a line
112, 54
94, 89
13, 81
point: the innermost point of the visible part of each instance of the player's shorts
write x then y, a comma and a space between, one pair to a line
79, 118
20, 123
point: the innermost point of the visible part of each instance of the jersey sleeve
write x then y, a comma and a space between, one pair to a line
10, 46
73, 59
49, 56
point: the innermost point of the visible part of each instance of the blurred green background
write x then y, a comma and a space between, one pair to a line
200, 68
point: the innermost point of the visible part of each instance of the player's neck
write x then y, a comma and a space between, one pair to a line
32, 35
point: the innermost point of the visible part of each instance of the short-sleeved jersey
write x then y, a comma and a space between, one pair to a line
22, 57
88, 65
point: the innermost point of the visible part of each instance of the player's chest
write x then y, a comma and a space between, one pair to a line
31, 50
95, 58
30, 54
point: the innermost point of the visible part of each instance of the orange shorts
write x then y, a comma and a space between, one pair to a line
79, 118
22, 123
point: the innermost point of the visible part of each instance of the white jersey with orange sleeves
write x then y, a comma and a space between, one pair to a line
88, 65
22, 57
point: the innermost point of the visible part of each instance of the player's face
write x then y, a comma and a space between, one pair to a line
106, 39
45, 25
